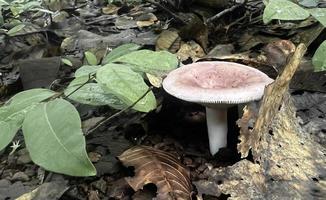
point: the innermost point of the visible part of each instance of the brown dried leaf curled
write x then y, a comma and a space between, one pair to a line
168, 40
155, 166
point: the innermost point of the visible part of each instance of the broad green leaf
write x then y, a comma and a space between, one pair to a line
319, 14
283, 10
86, 70
15, 30
28, 97
3, 2
12, 114
92, 94
7, 133
127, 85
319, 59
120, 51
91, 58
54, 139
309, 3
66, 62
152, 62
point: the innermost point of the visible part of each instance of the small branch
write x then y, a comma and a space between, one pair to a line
105, 120
60, 94
90, 78
167, 10
220, 14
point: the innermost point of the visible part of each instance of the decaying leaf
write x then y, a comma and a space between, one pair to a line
156, 81
160, 168
49, 190
146, 20
292, 163
243, 180
190, 50
168, 40
249, 115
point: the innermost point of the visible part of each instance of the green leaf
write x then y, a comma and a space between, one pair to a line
319, 59
15, 30
86, 70
91, 58
127, 85
54, 139
66, 62
12, 114
92, 94
308, 3
7, 134
319, 14
3, 2
120, 51
28, 97
283, 10
152, 62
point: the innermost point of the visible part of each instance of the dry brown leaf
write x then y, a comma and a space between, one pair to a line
110, 9
243, 181
292, 163
190, 50
249, 115
156, 81
168, 40
146, 20
160, 168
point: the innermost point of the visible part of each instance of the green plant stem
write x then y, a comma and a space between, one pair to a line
105, 120
90, 78
60, 94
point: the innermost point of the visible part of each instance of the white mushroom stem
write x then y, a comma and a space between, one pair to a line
217, 128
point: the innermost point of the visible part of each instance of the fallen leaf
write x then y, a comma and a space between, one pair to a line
249, 115
168, 40
243, 180
50, 190
291, 162
160, 168
146, 20
190, 50
156, 81
110, 9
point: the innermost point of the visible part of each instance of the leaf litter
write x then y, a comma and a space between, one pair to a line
286, 162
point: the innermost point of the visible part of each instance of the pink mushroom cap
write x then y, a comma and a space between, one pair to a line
216, 82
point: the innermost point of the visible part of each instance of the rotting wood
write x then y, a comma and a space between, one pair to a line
291, 165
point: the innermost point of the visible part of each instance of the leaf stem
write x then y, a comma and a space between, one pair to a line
90, 78
105, 120
60, 94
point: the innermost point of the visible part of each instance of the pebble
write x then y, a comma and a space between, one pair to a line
20, 176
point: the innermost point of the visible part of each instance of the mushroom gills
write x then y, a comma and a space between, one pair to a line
217, 128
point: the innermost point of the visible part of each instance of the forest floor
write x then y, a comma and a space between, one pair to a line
194, 33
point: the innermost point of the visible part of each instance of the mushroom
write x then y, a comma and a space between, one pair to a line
217, 86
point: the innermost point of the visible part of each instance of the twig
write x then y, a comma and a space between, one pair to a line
167, 10
105, 120
220, 14
90, 78
60, 94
